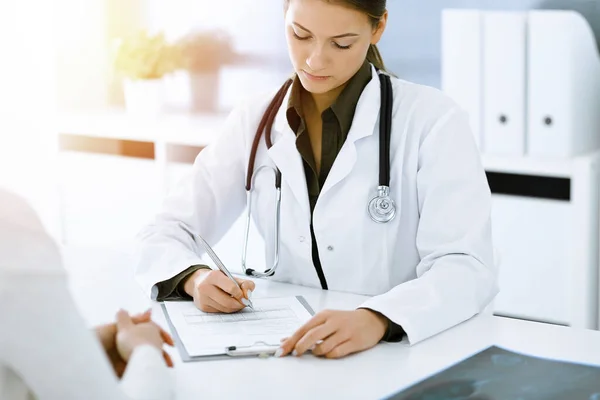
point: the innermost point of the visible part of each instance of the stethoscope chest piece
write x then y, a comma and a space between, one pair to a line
382, 208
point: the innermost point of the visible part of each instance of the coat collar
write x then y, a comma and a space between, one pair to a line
287, 158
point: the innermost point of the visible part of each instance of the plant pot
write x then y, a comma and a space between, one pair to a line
144, 96
204, 91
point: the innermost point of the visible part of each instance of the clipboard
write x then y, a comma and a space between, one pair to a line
256, 350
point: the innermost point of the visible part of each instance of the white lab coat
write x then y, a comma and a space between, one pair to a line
46, 351
428, 269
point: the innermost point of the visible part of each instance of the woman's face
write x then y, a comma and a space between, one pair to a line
327, 42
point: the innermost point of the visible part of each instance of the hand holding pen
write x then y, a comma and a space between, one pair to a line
218, 290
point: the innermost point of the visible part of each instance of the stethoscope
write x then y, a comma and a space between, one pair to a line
381, 208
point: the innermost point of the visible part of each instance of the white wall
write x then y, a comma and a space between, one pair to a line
27, 101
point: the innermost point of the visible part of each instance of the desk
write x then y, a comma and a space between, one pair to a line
368, 375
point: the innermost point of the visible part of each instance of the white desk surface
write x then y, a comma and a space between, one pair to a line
101, 283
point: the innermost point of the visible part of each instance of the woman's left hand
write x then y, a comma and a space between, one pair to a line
335, 334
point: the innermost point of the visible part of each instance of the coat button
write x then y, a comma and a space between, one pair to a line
330, 248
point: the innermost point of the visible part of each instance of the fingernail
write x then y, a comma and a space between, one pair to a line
294, 353
245, 302
279, 352
250, 294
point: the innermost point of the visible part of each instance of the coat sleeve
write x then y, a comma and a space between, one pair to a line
44, 340
456, 276
205, 202
49, 346
147, 376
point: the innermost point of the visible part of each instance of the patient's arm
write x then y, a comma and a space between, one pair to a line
48, 344
43, 339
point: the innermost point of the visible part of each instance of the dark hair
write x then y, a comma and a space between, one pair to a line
374, 9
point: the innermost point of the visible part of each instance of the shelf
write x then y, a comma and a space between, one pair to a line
197, 130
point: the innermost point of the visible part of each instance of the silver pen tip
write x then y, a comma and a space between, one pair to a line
247, 303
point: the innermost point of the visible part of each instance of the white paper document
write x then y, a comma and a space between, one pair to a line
205, 334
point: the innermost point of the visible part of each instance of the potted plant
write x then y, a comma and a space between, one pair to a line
202, 54
143, 60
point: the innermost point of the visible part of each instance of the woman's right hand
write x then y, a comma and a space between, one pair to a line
213, 291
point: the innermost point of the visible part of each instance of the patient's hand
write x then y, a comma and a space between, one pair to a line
126, 338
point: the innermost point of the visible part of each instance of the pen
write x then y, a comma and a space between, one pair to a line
221, 266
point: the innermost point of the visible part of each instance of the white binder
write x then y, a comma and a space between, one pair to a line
461, 75
563, 85
504, 99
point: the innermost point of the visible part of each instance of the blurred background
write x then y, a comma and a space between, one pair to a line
72, 65
105, 103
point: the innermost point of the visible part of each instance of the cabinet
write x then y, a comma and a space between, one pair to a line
545, 229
